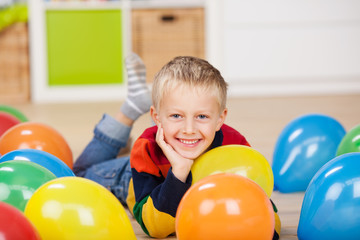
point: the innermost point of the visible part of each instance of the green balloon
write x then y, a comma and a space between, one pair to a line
350, 142
16, 113
19, 179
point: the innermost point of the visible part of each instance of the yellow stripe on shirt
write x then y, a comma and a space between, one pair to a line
158, 224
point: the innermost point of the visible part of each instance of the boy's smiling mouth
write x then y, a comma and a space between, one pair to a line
189, 142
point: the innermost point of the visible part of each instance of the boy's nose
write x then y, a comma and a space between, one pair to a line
189, 127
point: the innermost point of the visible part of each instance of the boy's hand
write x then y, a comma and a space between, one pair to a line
180, 166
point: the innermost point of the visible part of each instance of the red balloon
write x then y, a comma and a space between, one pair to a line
7, 121
32, 135
225, 206
14, 225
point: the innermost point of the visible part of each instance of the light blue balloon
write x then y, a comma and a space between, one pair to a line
331, 205
303, 147
45, 159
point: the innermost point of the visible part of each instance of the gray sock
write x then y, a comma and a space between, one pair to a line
138, 99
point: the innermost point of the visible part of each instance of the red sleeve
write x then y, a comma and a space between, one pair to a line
231, 136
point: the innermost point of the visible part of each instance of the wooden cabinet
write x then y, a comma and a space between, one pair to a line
158, 35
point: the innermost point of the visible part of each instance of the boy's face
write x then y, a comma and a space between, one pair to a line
189, 119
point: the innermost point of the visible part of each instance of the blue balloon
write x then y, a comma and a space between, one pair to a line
45, 159
303, 147
331, 204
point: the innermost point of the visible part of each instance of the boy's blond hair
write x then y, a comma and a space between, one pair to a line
191, 72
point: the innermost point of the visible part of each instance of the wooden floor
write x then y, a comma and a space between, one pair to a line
260, 119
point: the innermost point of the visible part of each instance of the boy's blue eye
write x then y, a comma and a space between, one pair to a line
202, 116
175, 116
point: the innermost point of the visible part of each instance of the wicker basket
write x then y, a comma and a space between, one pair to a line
158, 35
14, 64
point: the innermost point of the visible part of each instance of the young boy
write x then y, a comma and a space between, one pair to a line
189, 110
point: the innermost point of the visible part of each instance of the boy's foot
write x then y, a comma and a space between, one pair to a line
138, 99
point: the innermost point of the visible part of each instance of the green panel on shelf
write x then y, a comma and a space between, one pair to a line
84, 47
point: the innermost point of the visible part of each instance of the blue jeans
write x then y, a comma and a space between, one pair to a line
99, 161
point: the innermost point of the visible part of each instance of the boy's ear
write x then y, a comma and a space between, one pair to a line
154, 115
221, 119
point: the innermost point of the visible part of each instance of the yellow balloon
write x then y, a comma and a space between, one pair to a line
70, 208
238, 159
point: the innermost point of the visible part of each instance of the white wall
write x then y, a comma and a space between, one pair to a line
285, 47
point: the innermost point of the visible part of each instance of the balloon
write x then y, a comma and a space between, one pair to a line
331, 204
303, 147
31, 135
225, 206
350, 142
13, 111
45, 159
242, 160
19, 180
6, 122
14, 225
78, 208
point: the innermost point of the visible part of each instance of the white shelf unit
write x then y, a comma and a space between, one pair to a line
262, 48
40, 89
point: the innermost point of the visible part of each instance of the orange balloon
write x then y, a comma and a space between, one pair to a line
225, 206
32, 135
